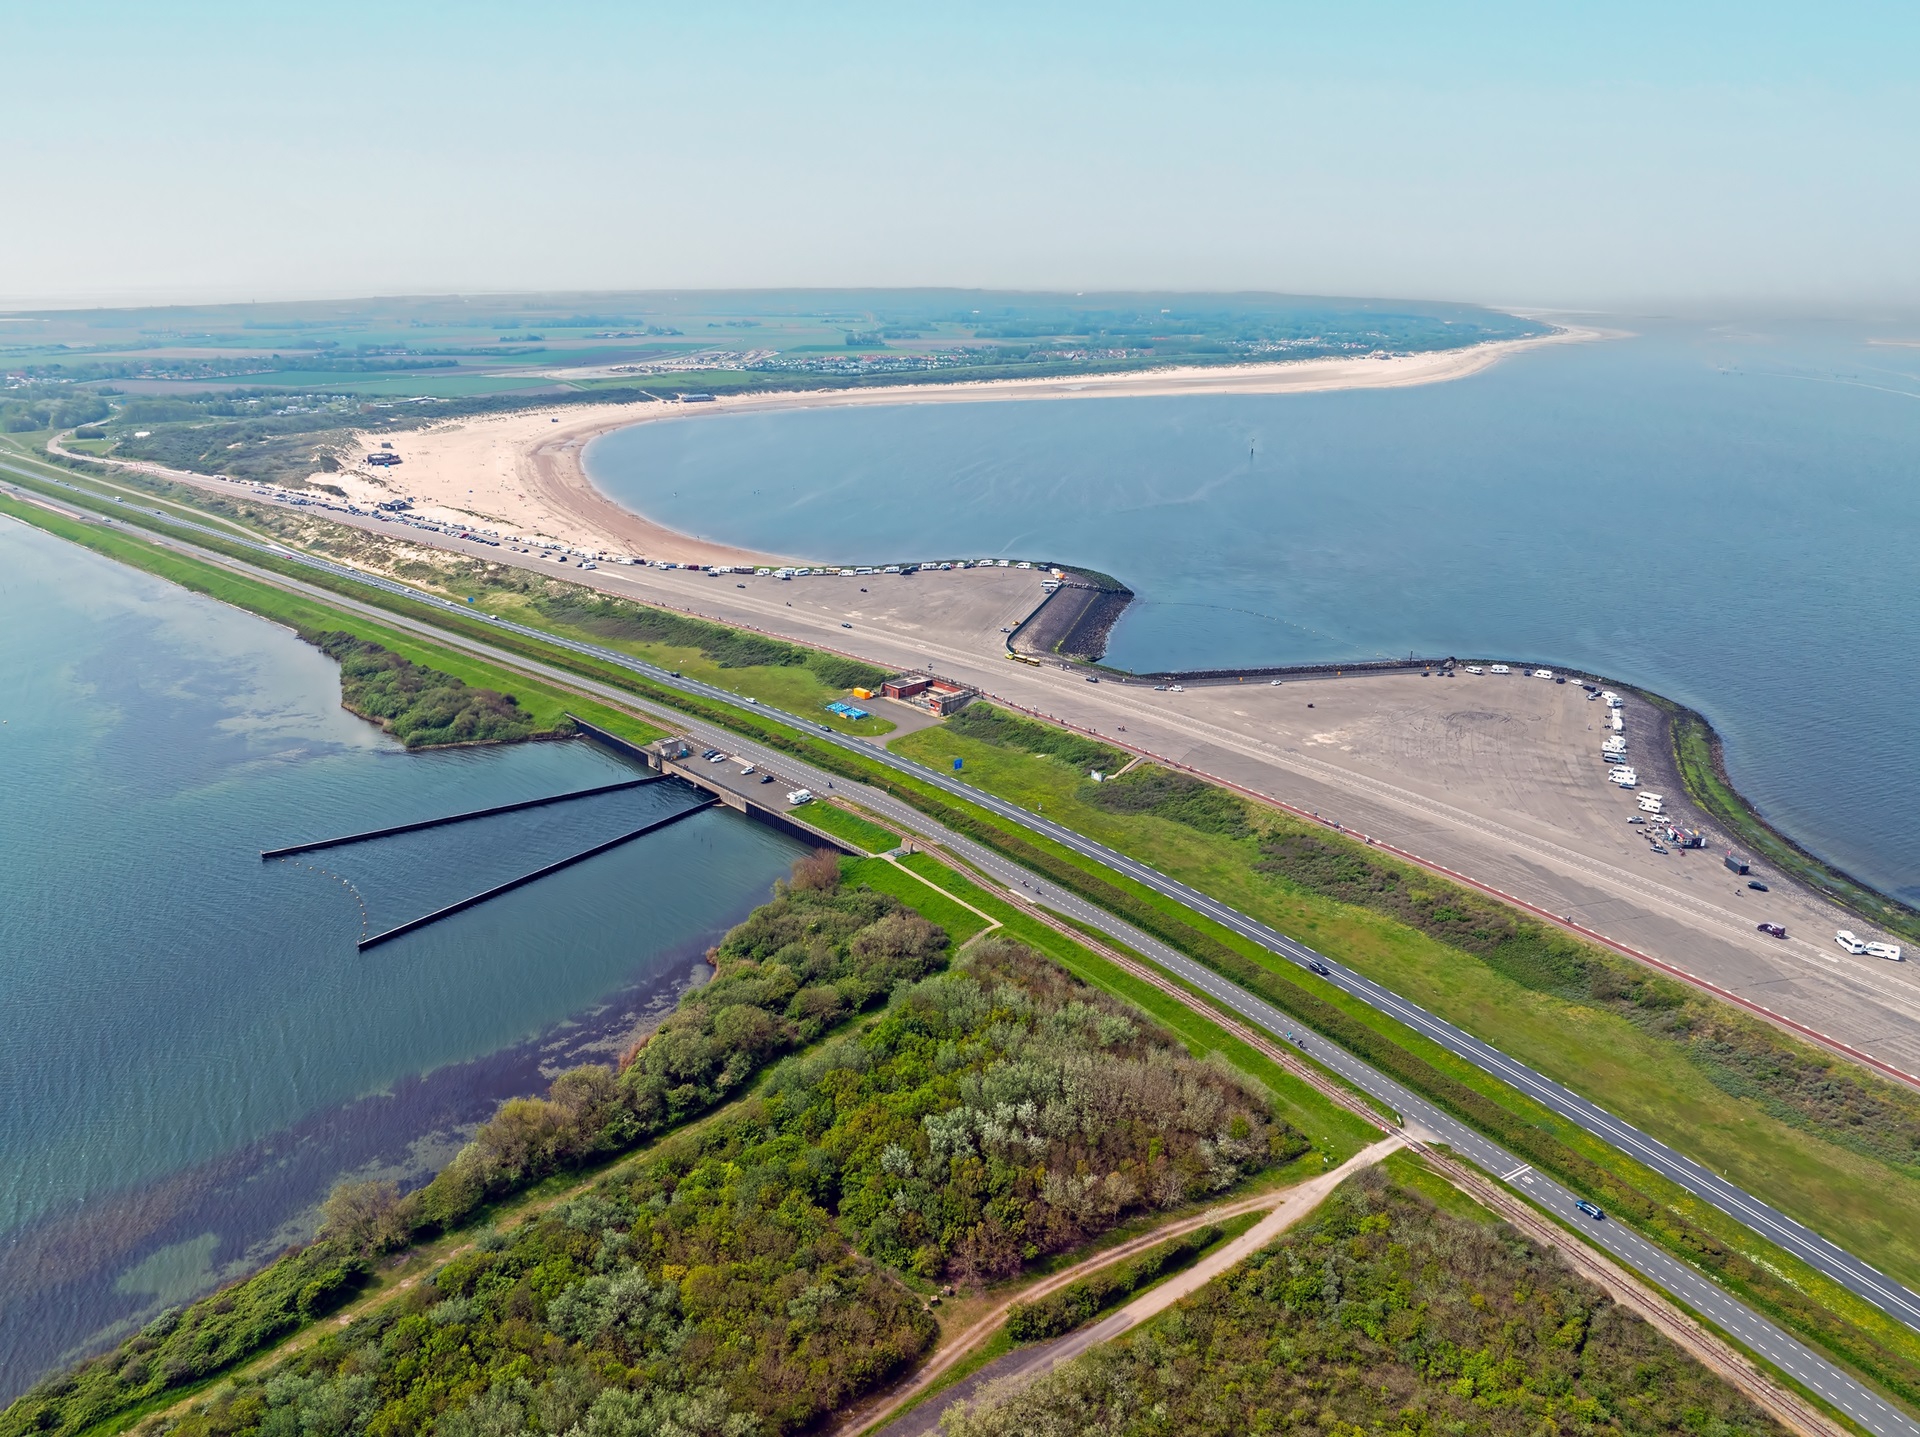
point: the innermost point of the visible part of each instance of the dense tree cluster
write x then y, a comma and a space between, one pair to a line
1384, 1315
421, 707
815, 954
758, 1271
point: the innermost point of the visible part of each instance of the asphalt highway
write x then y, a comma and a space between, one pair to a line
1679, 1279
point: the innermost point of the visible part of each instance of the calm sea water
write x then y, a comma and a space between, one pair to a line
191, 1049
1729, 515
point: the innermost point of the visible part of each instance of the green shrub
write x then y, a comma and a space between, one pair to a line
987, 724
736, 1279
1174, 796
729, 648
1387, 1315
1079, 1302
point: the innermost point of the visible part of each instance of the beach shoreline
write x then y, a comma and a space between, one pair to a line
526, 474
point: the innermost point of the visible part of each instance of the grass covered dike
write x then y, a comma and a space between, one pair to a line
538, 704
752, 1271
768, 670
1819, 1310
1781, 1117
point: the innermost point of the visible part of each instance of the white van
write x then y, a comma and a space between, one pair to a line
1543, 673
1888, 951
1475, 669
1499, 669
1847, 941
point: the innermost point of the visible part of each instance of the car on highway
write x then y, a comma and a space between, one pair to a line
1316, 966
845, 625
1773, 930
1757, 886
1093, 678
1590, 1210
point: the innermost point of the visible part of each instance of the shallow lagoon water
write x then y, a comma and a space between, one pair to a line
191, 1049
1727, 515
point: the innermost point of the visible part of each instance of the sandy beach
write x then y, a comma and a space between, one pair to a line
522, 473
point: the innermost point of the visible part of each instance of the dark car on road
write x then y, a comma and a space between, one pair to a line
1773, 930
1316, 966
1590, 1210
1757, 886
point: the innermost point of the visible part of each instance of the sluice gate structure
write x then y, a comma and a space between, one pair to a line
669, 758
425, 823
675, 758
426, 919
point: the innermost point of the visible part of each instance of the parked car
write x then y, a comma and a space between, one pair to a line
1756, 885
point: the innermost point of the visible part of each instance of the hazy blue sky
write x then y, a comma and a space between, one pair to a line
1516, 154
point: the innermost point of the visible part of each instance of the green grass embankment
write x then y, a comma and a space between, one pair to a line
860, 833
544, 706
1819, 1310
1711, 1104
769, 671
1836, 1190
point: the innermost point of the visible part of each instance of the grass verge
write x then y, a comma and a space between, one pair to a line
1820, 1311
544, 705
861, 833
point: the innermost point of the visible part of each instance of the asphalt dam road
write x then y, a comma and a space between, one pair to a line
1749, 1327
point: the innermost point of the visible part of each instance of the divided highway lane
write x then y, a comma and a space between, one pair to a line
1860, 1277
1752, 1330
1726, 1312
